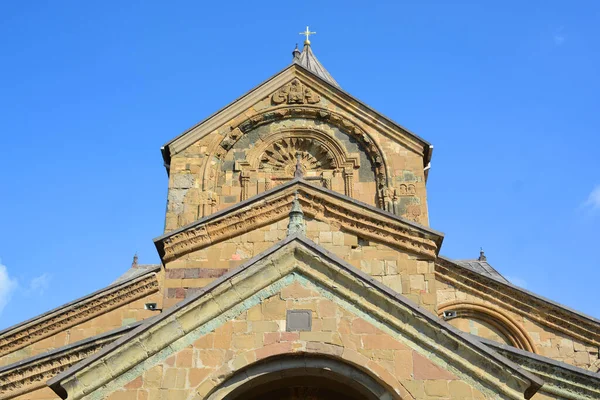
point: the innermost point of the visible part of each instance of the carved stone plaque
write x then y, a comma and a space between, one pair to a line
298, 320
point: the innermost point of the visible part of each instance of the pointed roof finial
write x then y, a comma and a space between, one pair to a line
482, 256
135, 260
307, 33
296, 226
298, 172
296, 53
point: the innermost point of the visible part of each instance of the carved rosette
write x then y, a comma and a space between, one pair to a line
295, 93
282, 155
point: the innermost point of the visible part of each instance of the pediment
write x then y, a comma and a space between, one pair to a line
295, 260
318, 203
293, 92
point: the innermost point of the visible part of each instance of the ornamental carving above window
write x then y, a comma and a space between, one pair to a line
283, 155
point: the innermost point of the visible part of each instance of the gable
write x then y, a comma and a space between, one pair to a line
294, 260
254, 146
254, 335
276, 86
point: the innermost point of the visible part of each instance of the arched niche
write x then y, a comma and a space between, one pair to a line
301, 376
502, 326
241, 128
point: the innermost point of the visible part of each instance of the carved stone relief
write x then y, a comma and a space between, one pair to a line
295, 93
282, 155
345, 125
401, 201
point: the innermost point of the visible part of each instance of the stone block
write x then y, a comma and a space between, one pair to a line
427, 370
437, 388
459, 390
243, 342
273, 308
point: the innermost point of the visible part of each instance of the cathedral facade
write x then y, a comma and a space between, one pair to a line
297, 262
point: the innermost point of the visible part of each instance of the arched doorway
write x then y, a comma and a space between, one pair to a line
301, 388
301, 377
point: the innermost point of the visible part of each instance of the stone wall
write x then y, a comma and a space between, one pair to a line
256, 151
259, 333
405, 273
546, 341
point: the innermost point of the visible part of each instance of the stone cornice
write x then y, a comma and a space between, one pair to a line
319, 203
509, 297
296, 258
77, 312
562, 380
31, 374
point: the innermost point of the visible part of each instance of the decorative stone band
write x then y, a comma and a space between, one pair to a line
81, 311
517, 300
32, 374
316, 204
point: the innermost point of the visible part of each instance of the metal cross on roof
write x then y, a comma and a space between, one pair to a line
307, 33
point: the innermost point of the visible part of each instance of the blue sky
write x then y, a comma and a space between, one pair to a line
508, 93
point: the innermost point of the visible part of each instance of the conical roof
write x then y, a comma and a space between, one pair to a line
309, 61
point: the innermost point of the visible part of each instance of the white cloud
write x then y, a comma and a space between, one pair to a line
593, 200
559, 37
7, 287
39, 284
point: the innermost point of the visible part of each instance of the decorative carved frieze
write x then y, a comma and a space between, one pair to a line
29, 376
295, 93
77, 313
233, 224
368, 226
315, 205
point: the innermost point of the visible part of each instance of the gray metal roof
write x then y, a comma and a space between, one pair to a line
308, 60
135, 271
482, 268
